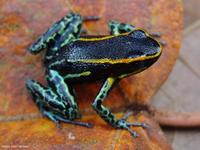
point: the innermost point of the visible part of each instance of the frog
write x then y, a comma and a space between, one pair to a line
71, 58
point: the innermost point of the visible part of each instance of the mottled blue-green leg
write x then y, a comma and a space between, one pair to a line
70, 33
66, 95
70, 25
105, 112
57, 103
62, 32
56, 118
118, 28
45, 99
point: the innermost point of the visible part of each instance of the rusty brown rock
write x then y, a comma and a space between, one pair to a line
42, 134
21, 22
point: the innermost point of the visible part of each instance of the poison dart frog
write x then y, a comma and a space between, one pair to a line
71, 59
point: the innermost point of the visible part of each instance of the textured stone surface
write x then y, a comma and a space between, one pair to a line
21, 22
42, 134
21, 25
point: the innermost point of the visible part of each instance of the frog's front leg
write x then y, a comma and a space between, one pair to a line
105, 112
56, 102
118, 28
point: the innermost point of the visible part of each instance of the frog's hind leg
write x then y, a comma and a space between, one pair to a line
57, 117
71, 32
108, 116
118, 28
68, 27
57, 102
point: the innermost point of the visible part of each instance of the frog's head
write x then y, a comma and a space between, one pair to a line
145, 49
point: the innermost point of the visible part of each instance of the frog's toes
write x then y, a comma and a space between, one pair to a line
163, 42
158, 35
51, 116
84, 124
123, 124
59, 118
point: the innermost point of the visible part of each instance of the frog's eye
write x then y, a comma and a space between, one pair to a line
139, 34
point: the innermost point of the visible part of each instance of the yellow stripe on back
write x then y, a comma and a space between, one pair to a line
115, 61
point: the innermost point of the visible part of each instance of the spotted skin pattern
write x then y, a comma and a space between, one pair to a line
118, 28
97, 104
57, 101
58, 35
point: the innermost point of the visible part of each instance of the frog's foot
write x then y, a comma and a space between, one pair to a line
107, 115
57, 119
123, 124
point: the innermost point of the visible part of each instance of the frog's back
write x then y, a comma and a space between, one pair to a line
106, 56
101, 49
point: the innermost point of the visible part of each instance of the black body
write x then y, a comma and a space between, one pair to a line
136, 50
